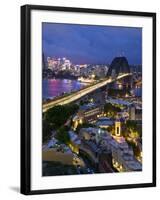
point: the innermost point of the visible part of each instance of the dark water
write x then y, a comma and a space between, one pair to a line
56, 87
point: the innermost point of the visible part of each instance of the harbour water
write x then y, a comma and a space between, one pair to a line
57, 87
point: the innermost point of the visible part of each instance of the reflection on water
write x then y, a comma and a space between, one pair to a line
56, 87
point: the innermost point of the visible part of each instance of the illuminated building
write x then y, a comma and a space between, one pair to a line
132, 115
118, 102
123, 158
135, 113
85, 80
76, 121
104, 122
89, 112
52, 63
117, 128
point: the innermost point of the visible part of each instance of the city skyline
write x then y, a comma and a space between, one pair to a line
92, 99
92, 44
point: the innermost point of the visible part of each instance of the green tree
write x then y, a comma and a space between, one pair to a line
46, 131
62, 135
132, 133
132, 130
131, 125
58, 115
111, 110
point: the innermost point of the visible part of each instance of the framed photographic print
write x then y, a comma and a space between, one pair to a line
88, 99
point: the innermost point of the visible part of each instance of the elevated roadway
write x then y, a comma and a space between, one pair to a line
77, 95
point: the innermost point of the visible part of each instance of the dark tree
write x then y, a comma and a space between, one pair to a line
56, 117
111, 110
62, 135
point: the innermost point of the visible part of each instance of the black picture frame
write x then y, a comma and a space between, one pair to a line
26, 97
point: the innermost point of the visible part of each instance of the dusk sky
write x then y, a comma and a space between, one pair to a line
92, 44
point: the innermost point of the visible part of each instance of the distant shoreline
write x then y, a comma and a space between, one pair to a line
61, 76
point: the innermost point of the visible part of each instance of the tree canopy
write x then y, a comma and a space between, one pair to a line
62, 135
56, 117
111, 110
131, 125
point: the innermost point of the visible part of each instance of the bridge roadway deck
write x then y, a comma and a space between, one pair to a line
77, 95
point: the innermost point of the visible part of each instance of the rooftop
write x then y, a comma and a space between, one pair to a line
74, 137
88, 106
104, 121
54, 145
119, 101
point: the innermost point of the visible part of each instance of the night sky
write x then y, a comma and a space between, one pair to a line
92, 44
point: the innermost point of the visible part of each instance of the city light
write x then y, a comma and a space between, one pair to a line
99, 120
